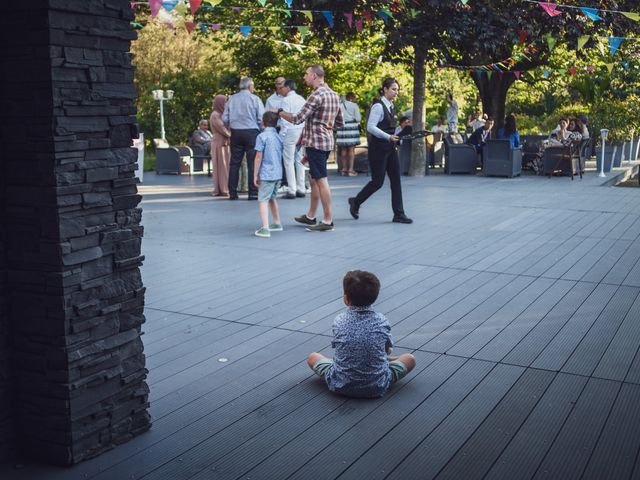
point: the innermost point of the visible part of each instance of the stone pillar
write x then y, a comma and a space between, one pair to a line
74, 294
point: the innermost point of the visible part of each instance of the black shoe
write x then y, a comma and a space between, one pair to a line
289, 196
252, 197
303, 219
402, 218
233, 196
354, 208
300, 194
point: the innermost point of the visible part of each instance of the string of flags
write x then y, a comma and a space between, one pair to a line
594, 14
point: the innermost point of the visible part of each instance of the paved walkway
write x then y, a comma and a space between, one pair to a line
519, 297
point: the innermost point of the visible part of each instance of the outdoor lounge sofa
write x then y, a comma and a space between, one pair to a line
459, 157
500, 160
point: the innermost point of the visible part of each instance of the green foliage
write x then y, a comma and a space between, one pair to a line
620, 117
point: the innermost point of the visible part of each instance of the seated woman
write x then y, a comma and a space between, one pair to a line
510, 131
581, 126
561, 134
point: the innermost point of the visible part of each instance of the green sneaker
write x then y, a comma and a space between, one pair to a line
263, 232
275, 227
321, 227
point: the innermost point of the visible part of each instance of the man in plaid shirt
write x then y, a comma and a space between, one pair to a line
322, 115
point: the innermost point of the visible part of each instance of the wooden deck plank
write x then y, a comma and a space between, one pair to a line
523, 455
619, 443
480, 451
573, 447
434, 452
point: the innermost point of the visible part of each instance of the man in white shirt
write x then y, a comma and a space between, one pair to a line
439, 127
273, 102
292, 153
477, 122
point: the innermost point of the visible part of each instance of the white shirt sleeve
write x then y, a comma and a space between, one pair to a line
376, 115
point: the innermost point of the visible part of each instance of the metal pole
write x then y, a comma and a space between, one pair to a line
603, 135
162, 119
631, 148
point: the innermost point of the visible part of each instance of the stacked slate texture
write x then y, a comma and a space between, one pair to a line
71, 233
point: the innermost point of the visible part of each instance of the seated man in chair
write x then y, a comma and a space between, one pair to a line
479, 137
202, 136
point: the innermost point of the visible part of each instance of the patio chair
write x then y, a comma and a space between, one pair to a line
169, 159
459, 157
561, 160
500, 160
200, 156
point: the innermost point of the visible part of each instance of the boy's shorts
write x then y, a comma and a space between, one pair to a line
398, 369
267, 190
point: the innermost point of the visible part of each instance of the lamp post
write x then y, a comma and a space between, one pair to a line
629, 160
160, 96
603, 135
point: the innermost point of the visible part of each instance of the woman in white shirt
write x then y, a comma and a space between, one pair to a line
383, 153
349, 135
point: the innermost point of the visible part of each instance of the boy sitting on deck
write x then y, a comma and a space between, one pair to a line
267, 173
362, 341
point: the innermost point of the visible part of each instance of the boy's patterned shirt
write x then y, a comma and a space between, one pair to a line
361, 367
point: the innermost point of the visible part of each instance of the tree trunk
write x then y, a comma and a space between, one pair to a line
493, 93
418, 153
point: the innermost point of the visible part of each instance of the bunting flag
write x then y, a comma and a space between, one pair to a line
614, 44
367, 16
522, 36
303, 30
189, 26
632, 16
384, 15
489, 73
545, 73
246, 30
308, 14
550, 8
591, 13
464, 2
591, 69
329, 16
358, 25
517, 74
551, 41
349, 17
195, 5
213, 3
262, 2
609, 67
155, 6
215, 27
288, 2
169, 5
503, 65
573, 71
582, 40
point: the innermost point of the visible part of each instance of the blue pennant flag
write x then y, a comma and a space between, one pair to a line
383, 15
329, 16
203, 27
591, 13
246, 30
169, 5
289, 2
614, 44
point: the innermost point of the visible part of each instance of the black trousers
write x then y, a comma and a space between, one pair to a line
243, 142
383, 159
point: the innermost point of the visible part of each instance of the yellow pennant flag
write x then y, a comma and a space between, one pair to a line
582, 40
308, 14
274, 29
609, 66
213, 3
632, 16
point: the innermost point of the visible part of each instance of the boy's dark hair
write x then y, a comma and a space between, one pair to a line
270, 119
403, 119
361, 287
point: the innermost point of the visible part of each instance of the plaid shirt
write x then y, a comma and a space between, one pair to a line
322, 114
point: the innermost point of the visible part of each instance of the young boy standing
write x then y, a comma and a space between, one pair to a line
362, 341
267, 174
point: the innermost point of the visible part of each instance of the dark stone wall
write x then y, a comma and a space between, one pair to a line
74, 293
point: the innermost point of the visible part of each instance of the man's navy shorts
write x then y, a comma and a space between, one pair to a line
317, 162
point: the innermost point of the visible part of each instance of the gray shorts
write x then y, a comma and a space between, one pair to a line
267, 190
397, 368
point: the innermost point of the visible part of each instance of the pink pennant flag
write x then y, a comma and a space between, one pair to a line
189, 26
367, 15
215, 27
349, 17
359, 25
591, 69
522, 36
195, 5
155, 6
517, 74
550, 8
573, 70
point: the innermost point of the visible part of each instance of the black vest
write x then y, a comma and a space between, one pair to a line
387, 125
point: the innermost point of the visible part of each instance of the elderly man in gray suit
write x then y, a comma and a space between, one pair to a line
243, 115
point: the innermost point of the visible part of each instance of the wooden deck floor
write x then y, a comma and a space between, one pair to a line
519, 297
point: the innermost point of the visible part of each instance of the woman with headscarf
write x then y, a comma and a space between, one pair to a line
220, 152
